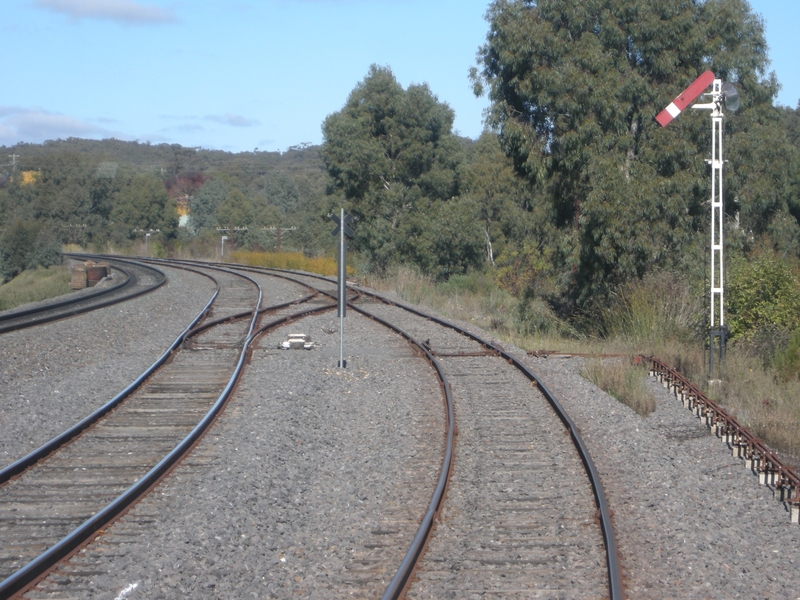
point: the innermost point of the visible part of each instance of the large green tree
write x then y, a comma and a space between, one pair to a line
574, 87
391, 153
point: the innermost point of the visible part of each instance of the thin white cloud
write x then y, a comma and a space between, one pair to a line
187, 127
7, 111
122, 11
233, 120
36, 126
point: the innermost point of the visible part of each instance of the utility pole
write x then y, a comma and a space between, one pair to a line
278, 231
13, 163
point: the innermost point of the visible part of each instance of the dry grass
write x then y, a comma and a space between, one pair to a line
34, 286
656, 317
322, 265
623, 380
470, 298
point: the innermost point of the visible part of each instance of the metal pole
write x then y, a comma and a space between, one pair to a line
342, 289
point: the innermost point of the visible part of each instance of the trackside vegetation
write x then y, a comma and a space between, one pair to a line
34, 285
297, 261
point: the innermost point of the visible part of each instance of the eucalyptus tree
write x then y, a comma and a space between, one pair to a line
391, 154
142, 202
574, 87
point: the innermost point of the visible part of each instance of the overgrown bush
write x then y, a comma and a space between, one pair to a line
475, 282
535, 317
763, 291
658, 307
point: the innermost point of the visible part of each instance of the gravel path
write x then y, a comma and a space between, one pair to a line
53, 375
691, 521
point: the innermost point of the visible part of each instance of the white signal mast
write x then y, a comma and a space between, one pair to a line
720, 94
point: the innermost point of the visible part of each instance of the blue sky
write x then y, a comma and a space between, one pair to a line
243, 74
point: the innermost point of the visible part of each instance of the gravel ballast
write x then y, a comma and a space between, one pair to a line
312, 482
53, 375
691, 521
273, 504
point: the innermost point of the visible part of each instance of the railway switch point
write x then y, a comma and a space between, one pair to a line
297, 341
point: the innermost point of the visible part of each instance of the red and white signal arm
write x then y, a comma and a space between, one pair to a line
688, 95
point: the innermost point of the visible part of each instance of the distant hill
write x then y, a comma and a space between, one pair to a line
169, 159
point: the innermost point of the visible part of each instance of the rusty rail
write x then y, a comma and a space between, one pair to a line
757, 456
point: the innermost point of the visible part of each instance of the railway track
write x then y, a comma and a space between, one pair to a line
517, 520
519, 516
65, 495
135, 279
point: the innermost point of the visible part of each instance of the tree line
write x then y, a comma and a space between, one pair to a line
572, 191
575, 190
107, 194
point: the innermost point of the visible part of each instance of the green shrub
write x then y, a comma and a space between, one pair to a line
471, 283
762, 292
535, 317
787, 360
27, 245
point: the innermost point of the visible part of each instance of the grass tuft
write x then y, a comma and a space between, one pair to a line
624, 381
35, 286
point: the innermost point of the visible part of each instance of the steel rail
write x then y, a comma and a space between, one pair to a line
616, 589
33, 457
758, 456
90, 306
193, 329
401, 577
227, 267
398, 583
34, 569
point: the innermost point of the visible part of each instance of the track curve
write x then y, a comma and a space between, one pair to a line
608, 556
141, 441
460, 352
138, 279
